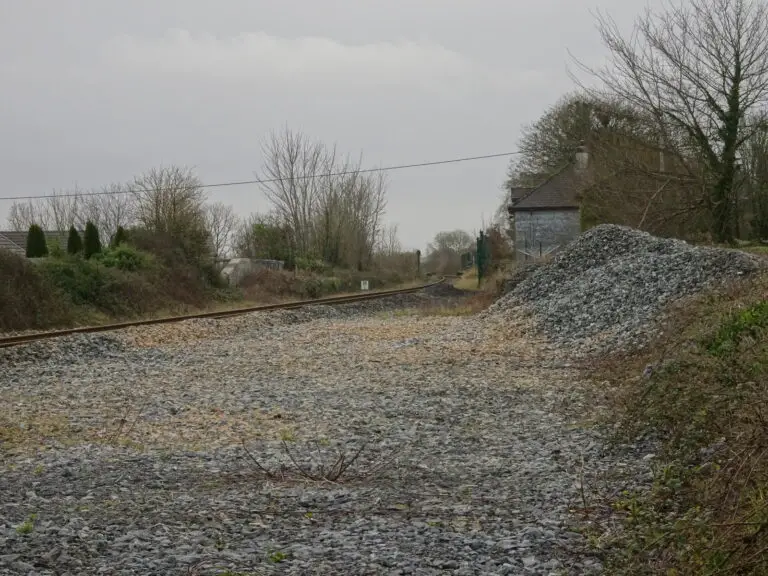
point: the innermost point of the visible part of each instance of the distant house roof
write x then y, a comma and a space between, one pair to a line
17, 241
517, 192
558, 192
8, 244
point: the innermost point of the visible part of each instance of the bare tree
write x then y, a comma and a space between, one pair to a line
389, 241
292, 167
550, 142
169, 201
108, 208
453, 241
22, 215
332, 207
112, 207
64, 208
697, 69
57, 211
444, 252
221, 221
364, 207
754, 179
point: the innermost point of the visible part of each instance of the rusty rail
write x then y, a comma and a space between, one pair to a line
37, 336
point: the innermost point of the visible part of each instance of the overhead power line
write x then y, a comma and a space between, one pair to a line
271, 180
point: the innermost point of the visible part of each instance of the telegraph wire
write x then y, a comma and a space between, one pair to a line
272, 180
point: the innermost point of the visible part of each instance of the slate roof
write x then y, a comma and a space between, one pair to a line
517, 192
17, 241
8, 244
558, 192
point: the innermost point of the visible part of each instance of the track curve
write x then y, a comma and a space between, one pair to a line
47, 335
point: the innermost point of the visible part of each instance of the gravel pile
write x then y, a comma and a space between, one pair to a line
606, 289
123, 460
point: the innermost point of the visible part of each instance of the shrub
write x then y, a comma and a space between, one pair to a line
112, 291
92, 242
36, 244
120, 237
80, 280
55, 250
27, 299
74, 242
125, 257
313, 288
312, 265
330, 285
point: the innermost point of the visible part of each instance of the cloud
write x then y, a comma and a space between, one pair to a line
310, 61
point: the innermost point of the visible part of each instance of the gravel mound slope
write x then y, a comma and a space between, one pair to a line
126, 459
604, 291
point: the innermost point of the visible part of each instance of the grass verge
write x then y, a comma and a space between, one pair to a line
127, 283
702, 391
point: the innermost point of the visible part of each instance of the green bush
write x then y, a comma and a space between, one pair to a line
125, 257
91, 242
74, 242
313, 265
330, 285
313, 288
110, 290
55, 250
36, 244
748, 323
27, 299
82, 281
120, 237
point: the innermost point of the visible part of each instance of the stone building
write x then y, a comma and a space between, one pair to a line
547, 217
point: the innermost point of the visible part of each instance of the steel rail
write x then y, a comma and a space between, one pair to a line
9, 341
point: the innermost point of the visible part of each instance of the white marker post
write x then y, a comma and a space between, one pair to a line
364, 285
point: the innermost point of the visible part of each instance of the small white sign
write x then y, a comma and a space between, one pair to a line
364, 285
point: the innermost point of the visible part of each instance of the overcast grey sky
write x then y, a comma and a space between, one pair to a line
95, 91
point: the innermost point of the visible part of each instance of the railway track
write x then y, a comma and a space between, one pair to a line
9, 341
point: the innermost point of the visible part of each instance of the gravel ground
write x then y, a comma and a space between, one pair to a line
605, 291
208, 446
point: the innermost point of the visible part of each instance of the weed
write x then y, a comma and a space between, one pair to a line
27, 526
465, 306
288, 435
277, 557
220, 543
707, 509
747, 323
320, 468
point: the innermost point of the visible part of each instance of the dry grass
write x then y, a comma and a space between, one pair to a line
465, 306
759, 249
702, 390
275, 286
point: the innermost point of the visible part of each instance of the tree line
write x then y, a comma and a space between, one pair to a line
676, 125
323, 210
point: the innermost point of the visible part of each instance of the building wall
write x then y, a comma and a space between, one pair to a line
540, 232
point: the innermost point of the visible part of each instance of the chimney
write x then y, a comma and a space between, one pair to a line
582, 158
